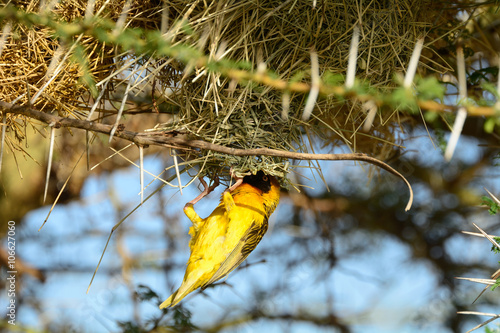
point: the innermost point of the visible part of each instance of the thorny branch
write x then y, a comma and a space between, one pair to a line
168, 139
106, 30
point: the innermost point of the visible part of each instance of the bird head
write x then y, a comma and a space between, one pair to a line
269, 186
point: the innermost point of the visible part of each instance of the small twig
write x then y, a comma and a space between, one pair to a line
155, 177
116, 227
116, 152
61, 191
488, 282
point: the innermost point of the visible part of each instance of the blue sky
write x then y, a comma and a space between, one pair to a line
380, 292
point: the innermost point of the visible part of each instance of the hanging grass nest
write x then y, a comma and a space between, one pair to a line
280, 36
276, 38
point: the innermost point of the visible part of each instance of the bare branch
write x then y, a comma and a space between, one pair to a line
168, 139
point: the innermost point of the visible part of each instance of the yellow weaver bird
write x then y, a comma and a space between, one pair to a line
223, 240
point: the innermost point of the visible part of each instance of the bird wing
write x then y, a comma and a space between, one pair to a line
246, 245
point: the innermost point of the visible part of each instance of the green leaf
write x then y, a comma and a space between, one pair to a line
495, 249
493, 206
481, 75
144, 293
186, 27
332, 79
430, 88
495, 285
182, 319
489, 125
129, 327
430, 116
491, 88
404, 99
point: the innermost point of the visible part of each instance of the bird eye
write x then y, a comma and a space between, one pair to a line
265, 178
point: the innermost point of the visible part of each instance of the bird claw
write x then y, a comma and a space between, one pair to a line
235, 185
206, 191
238, 182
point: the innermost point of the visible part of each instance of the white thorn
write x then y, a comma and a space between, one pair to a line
57, 70
177, 169
497, 104
164, 19
462, 111
371, 107
353, 56
54, 62
5, 34
122, 106
492, 196
221, 50
285, 102
87, 149
89, 9
216, 105
315, 83
455, 133
4, 126
49, 162
487, 236
47, 6
141, 167
412, 66
96, 103
121, 20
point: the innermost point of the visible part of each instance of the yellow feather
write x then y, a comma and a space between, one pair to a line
223, 240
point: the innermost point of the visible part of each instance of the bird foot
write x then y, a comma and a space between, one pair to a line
238, 182
206, 191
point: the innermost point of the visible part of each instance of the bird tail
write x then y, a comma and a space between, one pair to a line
186, 288
168, 302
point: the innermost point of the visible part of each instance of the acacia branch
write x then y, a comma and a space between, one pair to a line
169, 139
150, 43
